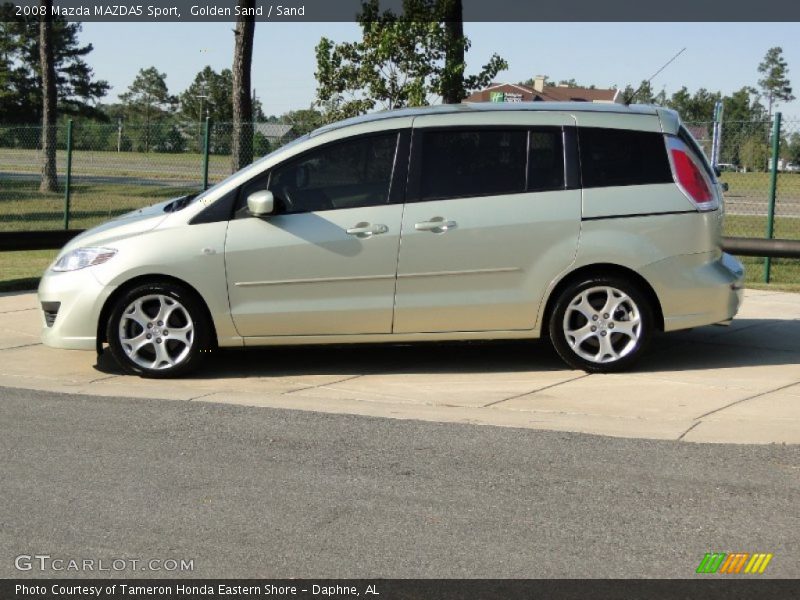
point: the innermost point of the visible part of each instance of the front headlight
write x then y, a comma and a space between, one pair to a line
82, 258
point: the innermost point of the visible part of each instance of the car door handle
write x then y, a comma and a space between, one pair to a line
435, 225
365, 230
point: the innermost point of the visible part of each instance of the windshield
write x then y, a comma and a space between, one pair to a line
283, 148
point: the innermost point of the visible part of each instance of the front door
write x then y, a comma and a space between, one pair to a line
326, 262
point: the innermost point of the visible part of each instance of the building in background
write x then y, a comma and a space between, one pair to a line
540, 92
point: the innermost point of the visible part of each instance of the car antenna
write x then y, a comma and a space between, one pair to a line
627, 101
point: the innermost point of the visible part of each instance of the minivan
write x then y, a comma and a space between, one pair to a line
596, 225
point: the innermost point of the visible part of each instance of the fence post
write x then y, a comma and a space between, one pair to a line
68, 186
205, 153
716, 142
773, 186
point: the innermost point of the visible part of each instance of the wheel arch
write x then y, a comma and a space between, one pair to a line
128, 285
601, 269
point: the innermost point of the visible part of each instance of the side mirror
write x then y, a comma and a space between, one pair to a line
261, 204
717, 171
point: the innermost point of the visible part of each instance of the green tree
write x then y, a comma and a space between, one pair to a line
754, 153
303, 120
148, 102
792, 151
148, 97
743, 106
775, 84
743, 117
209, 95
7, 96
643, 94
21, 89
400, 61
696, 107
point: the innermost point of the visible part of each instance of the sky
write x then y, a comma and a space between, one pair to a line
718, 56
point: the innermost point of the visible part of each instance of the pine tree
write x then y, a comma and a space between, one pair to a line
775, 84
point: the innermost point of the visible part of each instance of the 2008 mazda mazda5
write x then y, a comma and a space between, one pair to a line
593, 224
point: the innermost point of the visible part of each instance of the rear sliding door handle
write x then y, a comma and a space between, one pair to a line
435, 225
365, 230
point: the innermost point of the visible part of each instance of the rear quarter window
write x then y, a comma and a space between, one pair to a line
619, 157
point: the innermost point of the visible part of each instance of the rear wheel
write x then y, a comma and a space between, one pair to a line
601, 324
158, 330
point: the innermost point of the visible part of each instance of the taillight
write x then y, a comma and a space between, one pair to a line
690, 177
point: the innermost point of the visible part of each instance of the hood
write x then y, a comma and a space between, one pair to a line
127, 225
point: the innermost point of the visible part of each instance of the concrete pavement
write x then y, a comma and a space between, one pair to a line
737, 384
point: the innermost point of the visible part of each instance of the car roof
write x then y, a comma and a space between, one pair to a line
484, 107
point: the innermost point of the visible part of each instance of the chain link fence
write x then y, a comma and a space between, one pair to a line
746, 162
116, 168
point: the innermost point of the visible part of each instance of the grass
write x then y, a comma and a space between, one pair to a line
23, 207
756, 227
22, 270
757, 184
144, 165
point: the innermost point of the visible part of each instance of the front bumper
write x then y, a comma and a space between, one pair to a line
80, 299
697, 289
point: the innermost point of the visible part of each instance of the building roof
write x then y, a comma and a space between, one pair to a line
548, 93
272, 130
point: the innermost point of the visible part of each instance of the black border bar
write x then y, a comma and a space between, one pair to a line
473, 11
711, 587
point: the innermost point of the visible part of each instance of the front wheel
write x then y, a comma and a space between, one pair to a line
601, 324
158, 330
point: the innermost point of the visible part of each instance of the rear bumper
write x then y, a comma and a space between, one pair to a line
697, 289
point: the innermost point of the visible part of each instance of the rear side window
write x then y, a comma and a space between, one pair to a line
616, 157
546, 160
460, 163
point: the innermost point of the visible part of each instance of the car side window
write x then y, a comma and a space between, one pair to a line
460, 163
349, 174
546, 159
617, 157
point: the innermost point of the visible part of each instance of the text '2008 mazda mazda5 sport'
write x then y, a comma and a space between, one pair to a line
593, 224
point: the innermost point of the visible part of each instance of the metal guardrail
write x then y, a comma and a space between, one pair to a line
758, 247
55, 239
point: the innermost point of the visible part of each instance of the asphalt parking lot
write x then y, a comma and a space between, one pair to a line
272, 493
737, 384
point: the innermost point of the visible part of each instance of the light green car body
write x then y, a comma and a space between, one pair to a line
299, 279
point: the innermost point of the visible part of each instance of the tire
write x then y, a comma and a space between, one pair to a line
159, 330
595, 340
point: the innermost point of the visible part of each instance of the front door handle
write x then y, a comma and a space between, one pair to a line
364, 230
435, 225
